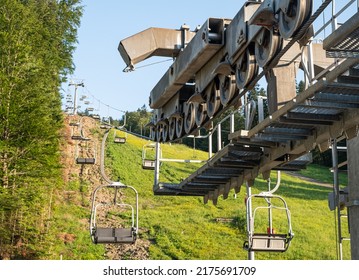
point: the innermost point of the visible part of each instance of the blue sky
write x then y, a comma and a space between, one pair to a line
104, 23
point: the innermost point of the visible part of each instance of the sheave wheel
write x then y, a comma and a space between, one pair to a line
172, 128
227, 88
179, 127
266, 46
189, 118
201, 113
165, 134
213, 99
292, 16
159, 133
246, 68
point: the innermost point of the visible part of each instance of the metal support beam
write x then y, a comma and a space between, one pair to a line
249, 216
157, 164
281, 86
337, 199
219, 137
353, 207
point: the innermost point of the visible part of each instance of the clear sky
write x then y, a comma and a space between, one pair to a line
104, 23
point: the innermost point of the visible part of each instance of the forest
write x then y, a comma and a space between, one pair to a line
37, 41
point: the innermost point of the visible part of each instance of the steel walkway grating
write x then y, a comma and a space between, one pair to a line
344, 42
229, 163
282, 141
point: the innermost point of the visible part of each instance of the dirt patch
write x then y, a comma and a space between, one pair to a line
67, 238
89, 128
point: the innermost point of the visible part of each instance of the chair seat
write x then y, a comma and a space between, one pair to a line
270, 243
85, 160
114, 235
120, 140
148, 164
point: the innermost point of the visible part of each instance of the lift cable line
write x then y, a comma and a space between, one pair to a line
130, 69
77, 84
102, 103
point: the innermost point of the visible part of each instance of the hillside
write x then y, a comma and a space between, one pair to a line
180, 227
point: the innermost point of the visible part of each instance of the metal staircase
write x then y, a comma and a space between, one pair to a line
326, 110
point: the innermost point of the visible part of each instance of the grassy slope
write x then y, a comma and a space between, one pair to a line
185, 228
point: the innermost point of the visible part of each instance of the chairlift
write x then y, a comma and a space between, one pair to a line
105, 126
120, 139
76, 133
80, 160
86, 159
76, 137
148, 164
114, 233
75, 122
269, 241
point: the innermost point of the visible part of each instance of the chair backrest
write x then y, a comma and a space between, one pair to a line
114, 234
268, 241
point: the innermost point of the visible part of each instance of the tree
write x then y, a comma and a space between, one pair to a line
37, 39
136, 121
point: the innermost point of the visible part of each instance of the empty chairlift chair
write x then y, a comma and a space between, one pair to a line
276, 234
87, 154
74, 123
148, 163
110, 231
76, 127
96, 116
120, 139
76, 133
85, 160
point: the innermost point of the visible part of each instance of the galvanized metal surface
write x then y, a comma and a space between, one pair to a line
207, 41
280, 142
344, 42
298, 123
159, 42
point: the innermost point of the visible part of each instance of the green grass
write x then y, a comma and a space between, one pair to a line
69, 231
185, 228
323, 174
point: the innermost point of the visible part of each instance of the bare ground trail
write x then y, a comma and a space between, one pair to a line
91, 174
